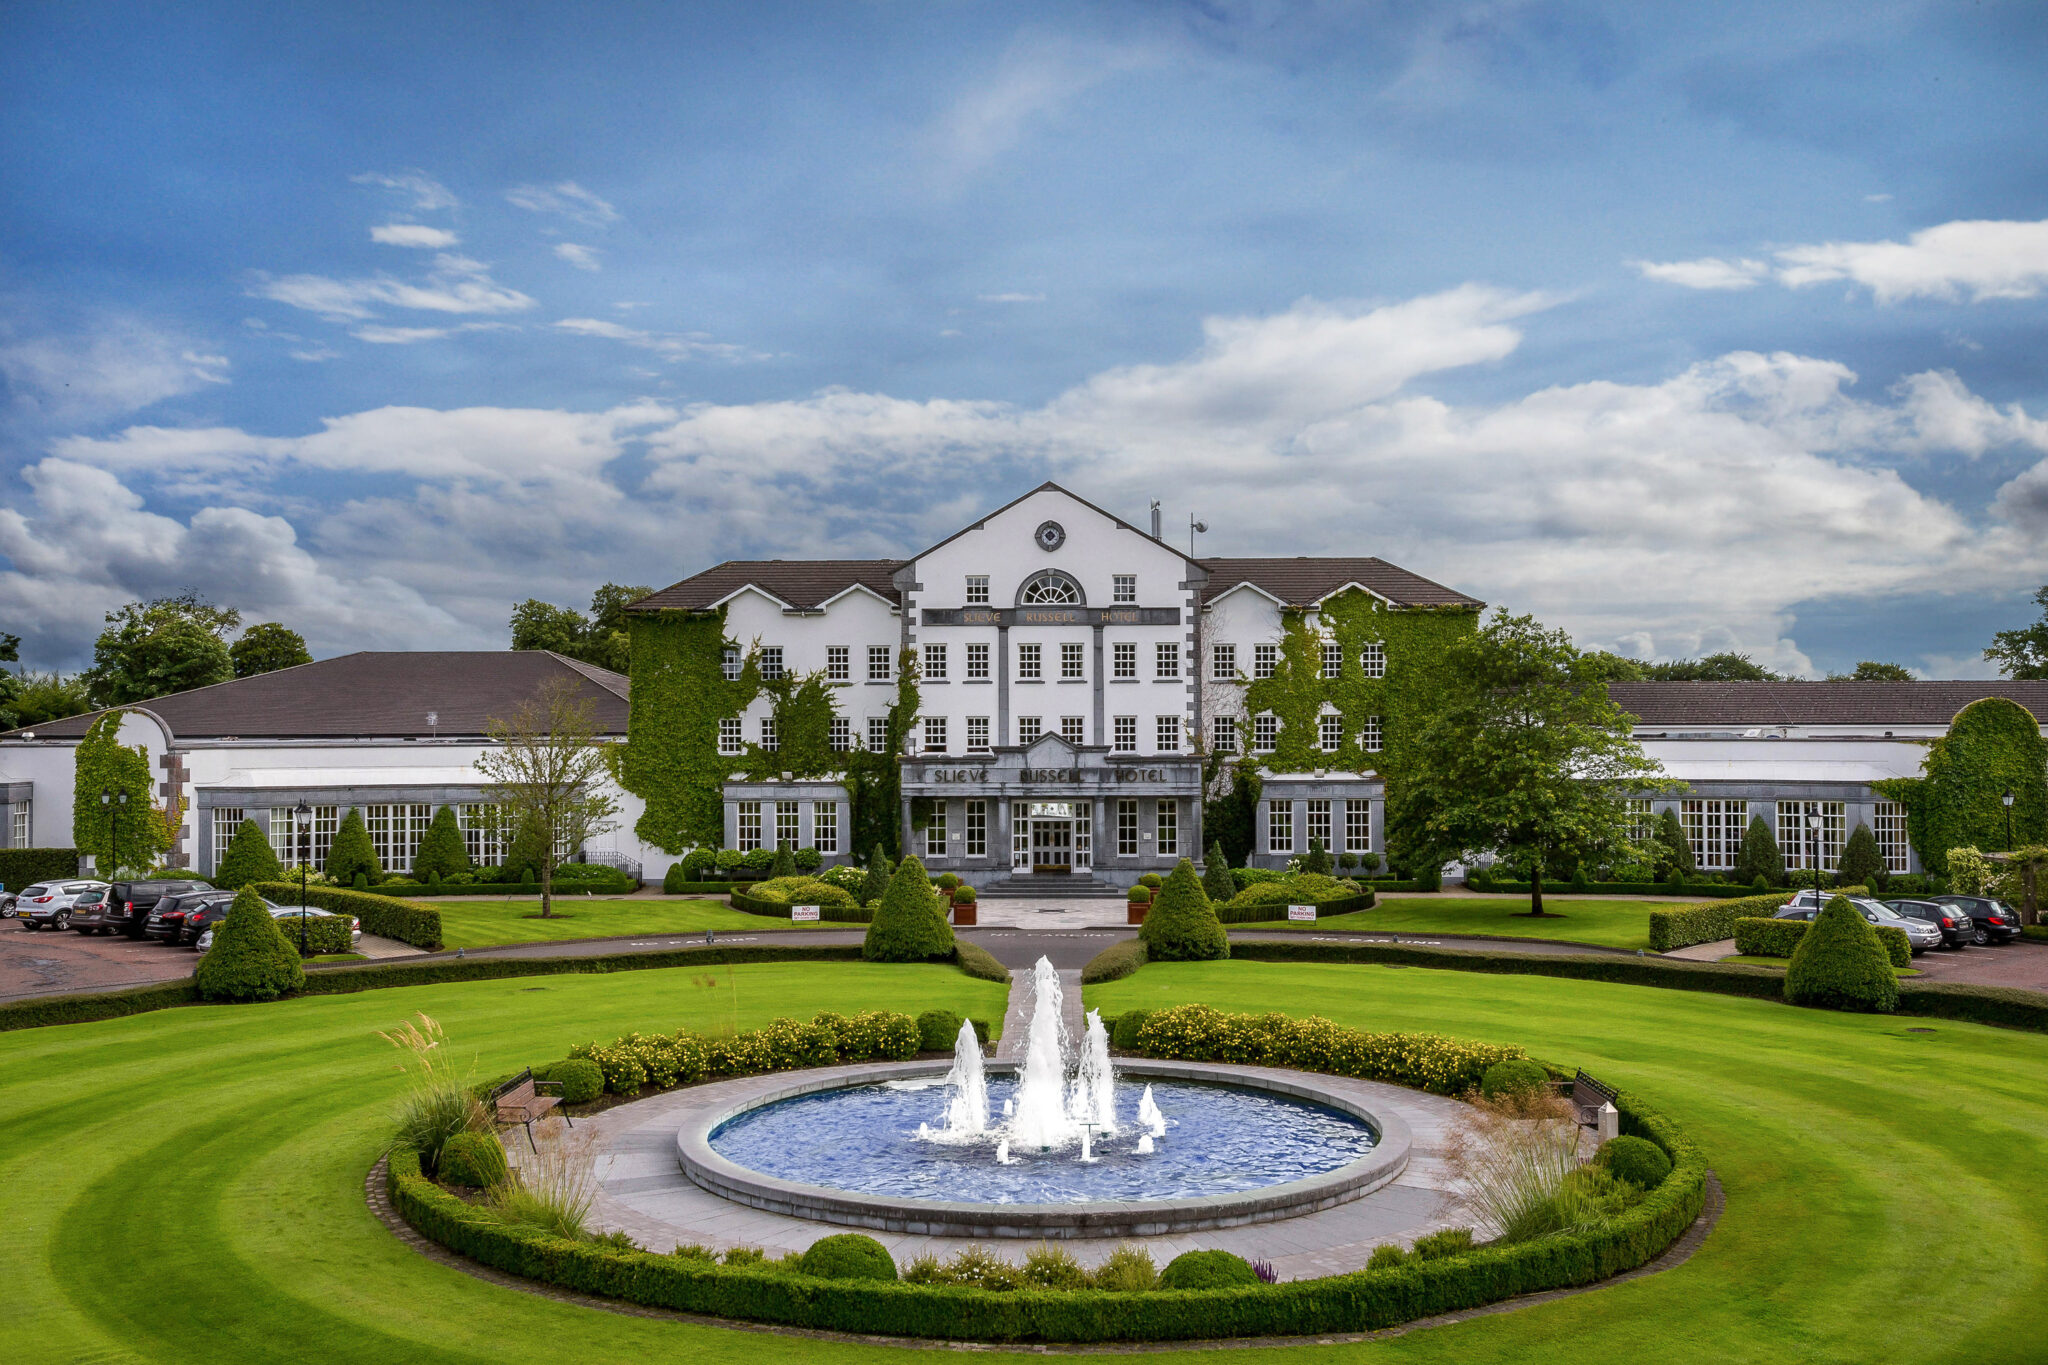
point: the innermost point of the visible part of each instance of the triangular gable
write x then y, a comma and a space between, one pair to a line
1050, 487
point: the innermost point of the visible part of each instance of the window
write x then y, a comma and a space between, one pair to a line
935, 831
1126, 829
1223, 662
825, 826
1358, 826
935, 734
1165, 659
483, 833
226, 820
1166, 734
977, 589
1265, 733
1124, 659
878, 734
841, 732
977, 734
1029, 728
787, 830
1370, 738
1373, 659
1333, 659
1891, 835
1223, 734
1071, 661
325, 820
395, 833
1123, 587
1125, 734
838, 663
1797, 842
1319, 824
1715, 829
771, 661
977, 829
1279, 827
24, 824
771, 734
1072, 730
1051, 590
1642, 823
729, 738
730, 663
935, 663
1030, 661
1084, 833
1020, 844
749, 828
878, 663
977, 661
1166, 829
1330, 733
1264, 658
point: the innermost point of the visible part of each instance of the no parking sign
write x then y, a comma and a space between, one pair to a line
1301, 912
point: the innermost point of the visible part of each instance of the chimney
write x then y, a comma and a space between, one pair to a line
1155, 519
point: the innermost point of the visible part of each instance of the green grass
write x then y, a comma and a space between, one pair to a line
1608, 924
1852, 1232
1752, 960
482, 923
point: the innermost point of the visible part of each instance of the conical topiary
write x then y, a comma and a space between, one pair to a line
351, 855
442, 851
1840, 965
251, 959
249, 858
1760, 856
1182, 925
1317, 859
1673, 850
784, 864
1861, 864
908, 926
1217, 883
876, 883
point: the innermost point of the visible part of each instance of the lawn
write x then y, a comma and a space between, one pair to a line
1609, 924
480, 923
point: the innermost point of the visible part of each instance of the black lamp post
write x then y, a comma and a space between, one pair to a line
2006, 801
1813, 820
302, 825
113, 801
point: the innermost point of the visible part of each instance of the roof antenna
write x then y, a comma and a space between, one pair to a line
1155, 519
434, 724
1195, 528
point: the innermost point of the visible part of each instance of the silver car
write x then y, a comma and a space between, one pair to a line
49, 903
284, 915
1920, 935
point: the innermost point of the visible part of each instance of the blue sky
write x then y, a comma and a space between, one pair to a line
1687, 327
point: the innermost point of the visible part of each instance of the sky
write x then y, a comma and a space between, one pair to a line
1684, 327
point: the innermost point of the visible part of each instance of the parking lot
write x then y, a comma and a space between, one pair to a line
49, 962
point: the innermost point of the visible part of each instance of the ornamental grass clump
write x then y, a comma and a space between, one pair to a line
1182, 926
1127, 1270
1508, 1161
908, 925
554, 1186
251, 959
438, 1103
1840, 965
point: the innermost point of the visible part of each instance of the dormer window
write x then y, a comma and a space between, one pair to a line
1051, 590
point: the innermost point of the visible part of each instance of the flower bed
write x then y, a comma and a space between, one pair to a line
1268, 898
774, 898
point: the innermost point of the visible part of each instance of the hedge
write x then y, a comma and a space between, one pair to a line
1114, 963
978, 962
1708, 923
84, 1009
2006, 1006
1778, 937
324, 933
21, 867
419, 925
1420, 1061
774, 909
1358, 1301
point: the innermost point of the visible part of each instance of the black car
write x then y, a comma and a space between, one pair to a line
1995, 921
127, 906
167, 922
1957, 928
207, 914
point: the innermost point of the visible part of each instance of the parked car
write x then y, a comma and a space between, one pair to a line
284, 914
127, 906
212, 910
1955, 924
1996, 922
1920, 935
49, 904
166, 922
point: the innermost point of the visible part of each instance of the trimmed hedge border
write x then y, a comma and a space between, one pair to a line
1363, 1300
1115, 962
1778, 937
384, 916
768, 909
21, 867
1265, 914
978, 962
1708, 923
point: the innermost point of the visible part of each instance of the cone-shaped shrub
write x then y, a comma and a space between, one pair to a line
529, 846
1760, 856
250, 958
1840, 965
1861, 864
249, 858
442, 851
908, 926
1217, 883
1317, 859
351, 855
784, 864
1182, 926
1672, 850
877, 880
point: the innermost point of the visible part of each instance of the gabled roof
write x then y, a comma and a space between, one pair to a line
799, 583
1050, 487
1303, 582
1686, 704
374, 695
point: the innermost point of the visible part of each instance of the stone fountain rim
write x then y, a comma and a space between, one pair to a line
1104, 1218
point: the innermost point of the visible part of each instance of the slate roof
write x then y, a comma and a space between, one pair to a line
1301, 581
374, 695
799, 582
1683, 705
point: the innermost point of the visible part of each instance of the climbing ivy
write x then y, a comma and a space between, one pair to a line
143, 828
1993, 745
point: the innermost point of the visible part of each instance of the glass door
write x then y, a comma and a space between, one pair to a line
1052, 846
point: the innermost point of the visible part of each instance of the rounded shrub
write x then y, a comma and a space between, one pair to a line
848, 1256
580, 1078
948, 881
1840, 965
965, 895
1182, 926
1386, 1256
937, 1030
251, 959
699, 863
1125, 1035
809, 860
1443, 1242
1140, 895
1516, 1076
1207, 1270
1152, 881
472, 1159
675, 879
1636, 1160
907, 926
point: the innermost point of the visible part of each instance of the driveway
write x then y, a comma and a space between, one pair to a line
2022, 963
47, 962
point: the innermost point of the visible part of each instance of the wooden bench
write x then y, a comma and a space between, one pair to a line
519, 1101
1588, 1095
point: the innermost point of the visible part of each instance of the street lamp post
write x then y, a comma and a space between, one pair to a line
2006, 801
1813, 822
302, 825
113, 801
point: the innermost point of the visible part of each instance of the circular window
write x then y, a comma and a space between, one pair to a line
1050, 590
1051, 535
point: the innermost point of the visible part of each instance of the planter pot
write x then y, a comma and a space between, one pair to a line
963, 914
1134, 913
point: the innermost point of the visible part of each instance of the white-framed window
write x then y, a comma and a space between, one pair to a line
1223, 662
1797, 842
1073, 661
1084, 833
976, 820
1166, 734
1030, 661
977, 589
787, 829
1053, 589
1642, 821
878, 663
1715, 830
935, 663
1333, 658
1889, 825
1279, 827
1265, 733
24, 830
1029, 728
1371, 737
977, 734
935, 831
878, 734
1373, 659
1073, 729
1123, 657
1020, 838
1319, 824
1124, 734
840, 730
395, 832
1223, 734
838, 663
771, 734
730, 738
1166, 829
1123, 587
935, 734
325, 820
1330, 733
483, 833
977, 661
1127, 829
1358, 826
771, 661
1265, 658
825, 826
1165, 659
226, 820
730, 663
749, 831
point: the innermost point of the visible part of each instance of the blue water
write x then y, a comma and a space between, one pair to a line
1219, 1140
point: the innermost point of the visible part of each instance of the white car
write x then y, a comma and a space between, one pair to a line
1920, 935
49, 903
284, 914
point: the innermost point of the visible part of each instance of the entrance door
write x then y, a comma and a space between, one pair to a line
1052, 846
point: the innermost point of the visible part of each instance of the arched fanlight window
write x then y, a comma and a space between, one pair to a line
1050, 589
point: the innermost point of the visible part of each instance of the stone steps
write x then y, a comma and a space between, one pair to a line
1067, 887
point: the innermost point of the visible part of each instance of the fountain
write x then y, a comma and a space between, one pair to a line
1149, 1116
966, 1089
1040, 1121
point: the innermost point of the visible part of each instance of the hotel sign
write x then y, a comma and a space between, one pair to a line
1048, 776
1051, 616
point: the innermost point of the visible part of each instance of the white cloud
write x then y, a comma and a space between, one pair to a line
1708, 273
427, 194
1010, 298
582, 257
568, 199
1035, 78
406, 336
457, 284
117, 365
413, 234
1977, 260
674, 345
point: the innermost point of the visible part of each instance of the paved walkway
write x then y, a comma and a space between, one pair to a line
1024, 1000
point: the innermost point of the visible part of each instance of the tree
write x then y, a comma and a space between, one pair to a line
546, 764
1231, 818
352, 855
599, 638
10, 683
1840, 965
1317, 859
1182, 926
1872, 671
1599, 665
1217, 883
1760, 858
442, 850
1671, 851
876, 883
1523, 756
248, 858
1993, 746
118, 834
1860, 864
45, 697
908, 925
2023, 653
151, 649
266, 647
251, 959
1727, 667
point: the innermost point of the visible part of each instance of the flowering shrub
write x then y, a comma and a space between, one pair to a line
846, 877
1425, 1061
803, 891
669, 1059
874, 1035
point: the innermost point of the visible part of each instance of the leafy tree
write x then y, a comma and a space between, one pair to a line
1727, 667
1217, 883
251, 959
547, 765
442, 851
785, 861
151, 649
599, 638
876, 882
351, 858
1231, 818
1524, 757
248, 858
1992, 746
908, 926
1760, 856
10, 683
104, 764
266, 647
1599, 665
1671, 851
529, 844
1840, 965
2023, 653
1872, 671
1182, 926
1317, 859
1860, 864
51, 696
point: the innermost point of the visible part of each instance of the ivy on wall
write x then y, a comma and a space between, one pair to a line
1992, 746
142, 827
